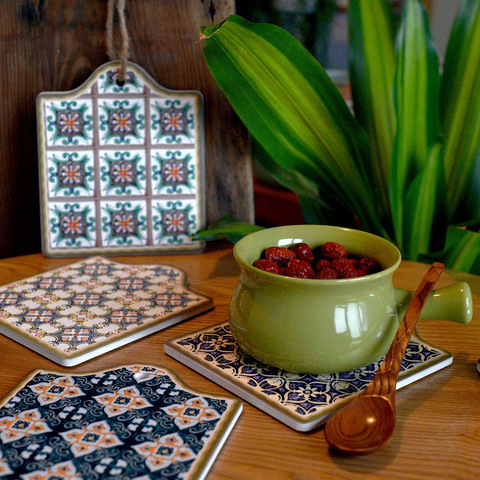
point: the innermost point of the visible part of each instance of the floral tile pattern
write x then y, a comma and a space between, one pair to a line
117, 165
78, 311
301, 401
134, 422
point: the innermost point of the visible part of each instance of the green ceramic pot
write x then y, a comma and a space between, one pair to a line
326, 326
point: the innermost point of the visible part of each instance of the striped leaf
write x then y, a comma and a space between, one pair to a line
372, 67
425, 218
416, 90
289, 104
314, 207
462, 250
460, 104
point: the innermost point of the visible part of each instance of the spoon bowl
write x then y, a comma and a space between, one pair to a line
367, 423
364, 427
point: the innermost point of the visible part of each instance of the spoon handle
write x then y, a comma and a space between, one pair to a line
390, 366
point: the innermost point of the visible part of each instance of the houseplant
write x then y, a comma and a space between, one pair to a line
401, 166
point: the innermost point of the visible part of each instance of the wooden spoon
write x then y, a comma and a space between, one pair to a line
367, 423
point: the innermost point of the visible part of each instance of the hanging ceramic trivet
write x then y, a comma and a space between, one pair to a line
121, 163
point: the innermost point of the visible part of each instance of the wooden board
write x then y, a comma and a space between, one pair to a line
54, 45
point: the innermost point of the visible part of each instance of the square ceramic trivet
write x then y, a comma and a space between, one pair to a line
84, 309
301, 401
133, 422
121, 166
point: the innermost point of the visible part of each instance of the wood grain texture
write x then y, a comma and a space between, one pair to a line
55, 45
438, 418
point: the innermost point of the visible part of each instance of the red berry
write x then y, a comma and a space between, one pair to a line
334, 262
354, 262
368, 265
280, 255
344, 267
267, 265
351, 274
323, 263
299, 268
303, 252
327, 273
332, 250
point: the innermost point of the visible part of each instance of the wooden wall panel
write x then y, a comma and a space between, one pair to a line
49, 45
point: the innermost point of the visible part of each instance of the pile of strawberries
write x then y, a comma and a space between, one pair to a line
330, 261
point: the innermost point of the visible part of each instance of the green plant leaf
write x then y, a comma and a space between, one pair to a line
417, 90
290, 105
460, 104
314, 209
372, 68
425, 217
462, 250
290, 179
226, 227
422, 150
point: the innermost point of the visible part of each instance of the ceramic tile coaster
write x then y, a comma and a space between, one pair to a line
301, 401
121, 166
133, 422
87, 308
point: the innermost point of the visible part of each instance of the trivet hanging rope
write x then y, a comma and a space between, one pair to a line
125, 45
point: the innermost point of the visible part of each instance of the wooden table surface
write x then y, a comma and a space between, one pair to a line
438, 418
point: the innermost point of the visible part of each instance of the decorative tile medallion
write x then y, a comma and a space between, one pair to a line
121, 166
134, 422
84, 309
301, 401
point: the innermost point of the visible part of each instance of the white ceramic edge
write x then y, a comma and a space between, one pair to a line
76, 359
403, 382
220, 443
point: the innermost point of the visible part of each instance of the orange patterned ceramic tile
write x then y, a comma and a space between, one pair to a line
134, 422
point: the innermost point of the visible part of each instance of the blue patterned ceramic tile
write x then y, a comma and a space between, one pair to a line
70, 174
73, 224
134, 422
173, 170
172, 220
122, 122
301, 401
172, 122
106, 148
81, 310
108, 82
124, 223
68, 122
123, 173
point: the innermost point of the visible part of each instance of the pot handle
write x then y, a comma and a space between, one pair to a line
453, 303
